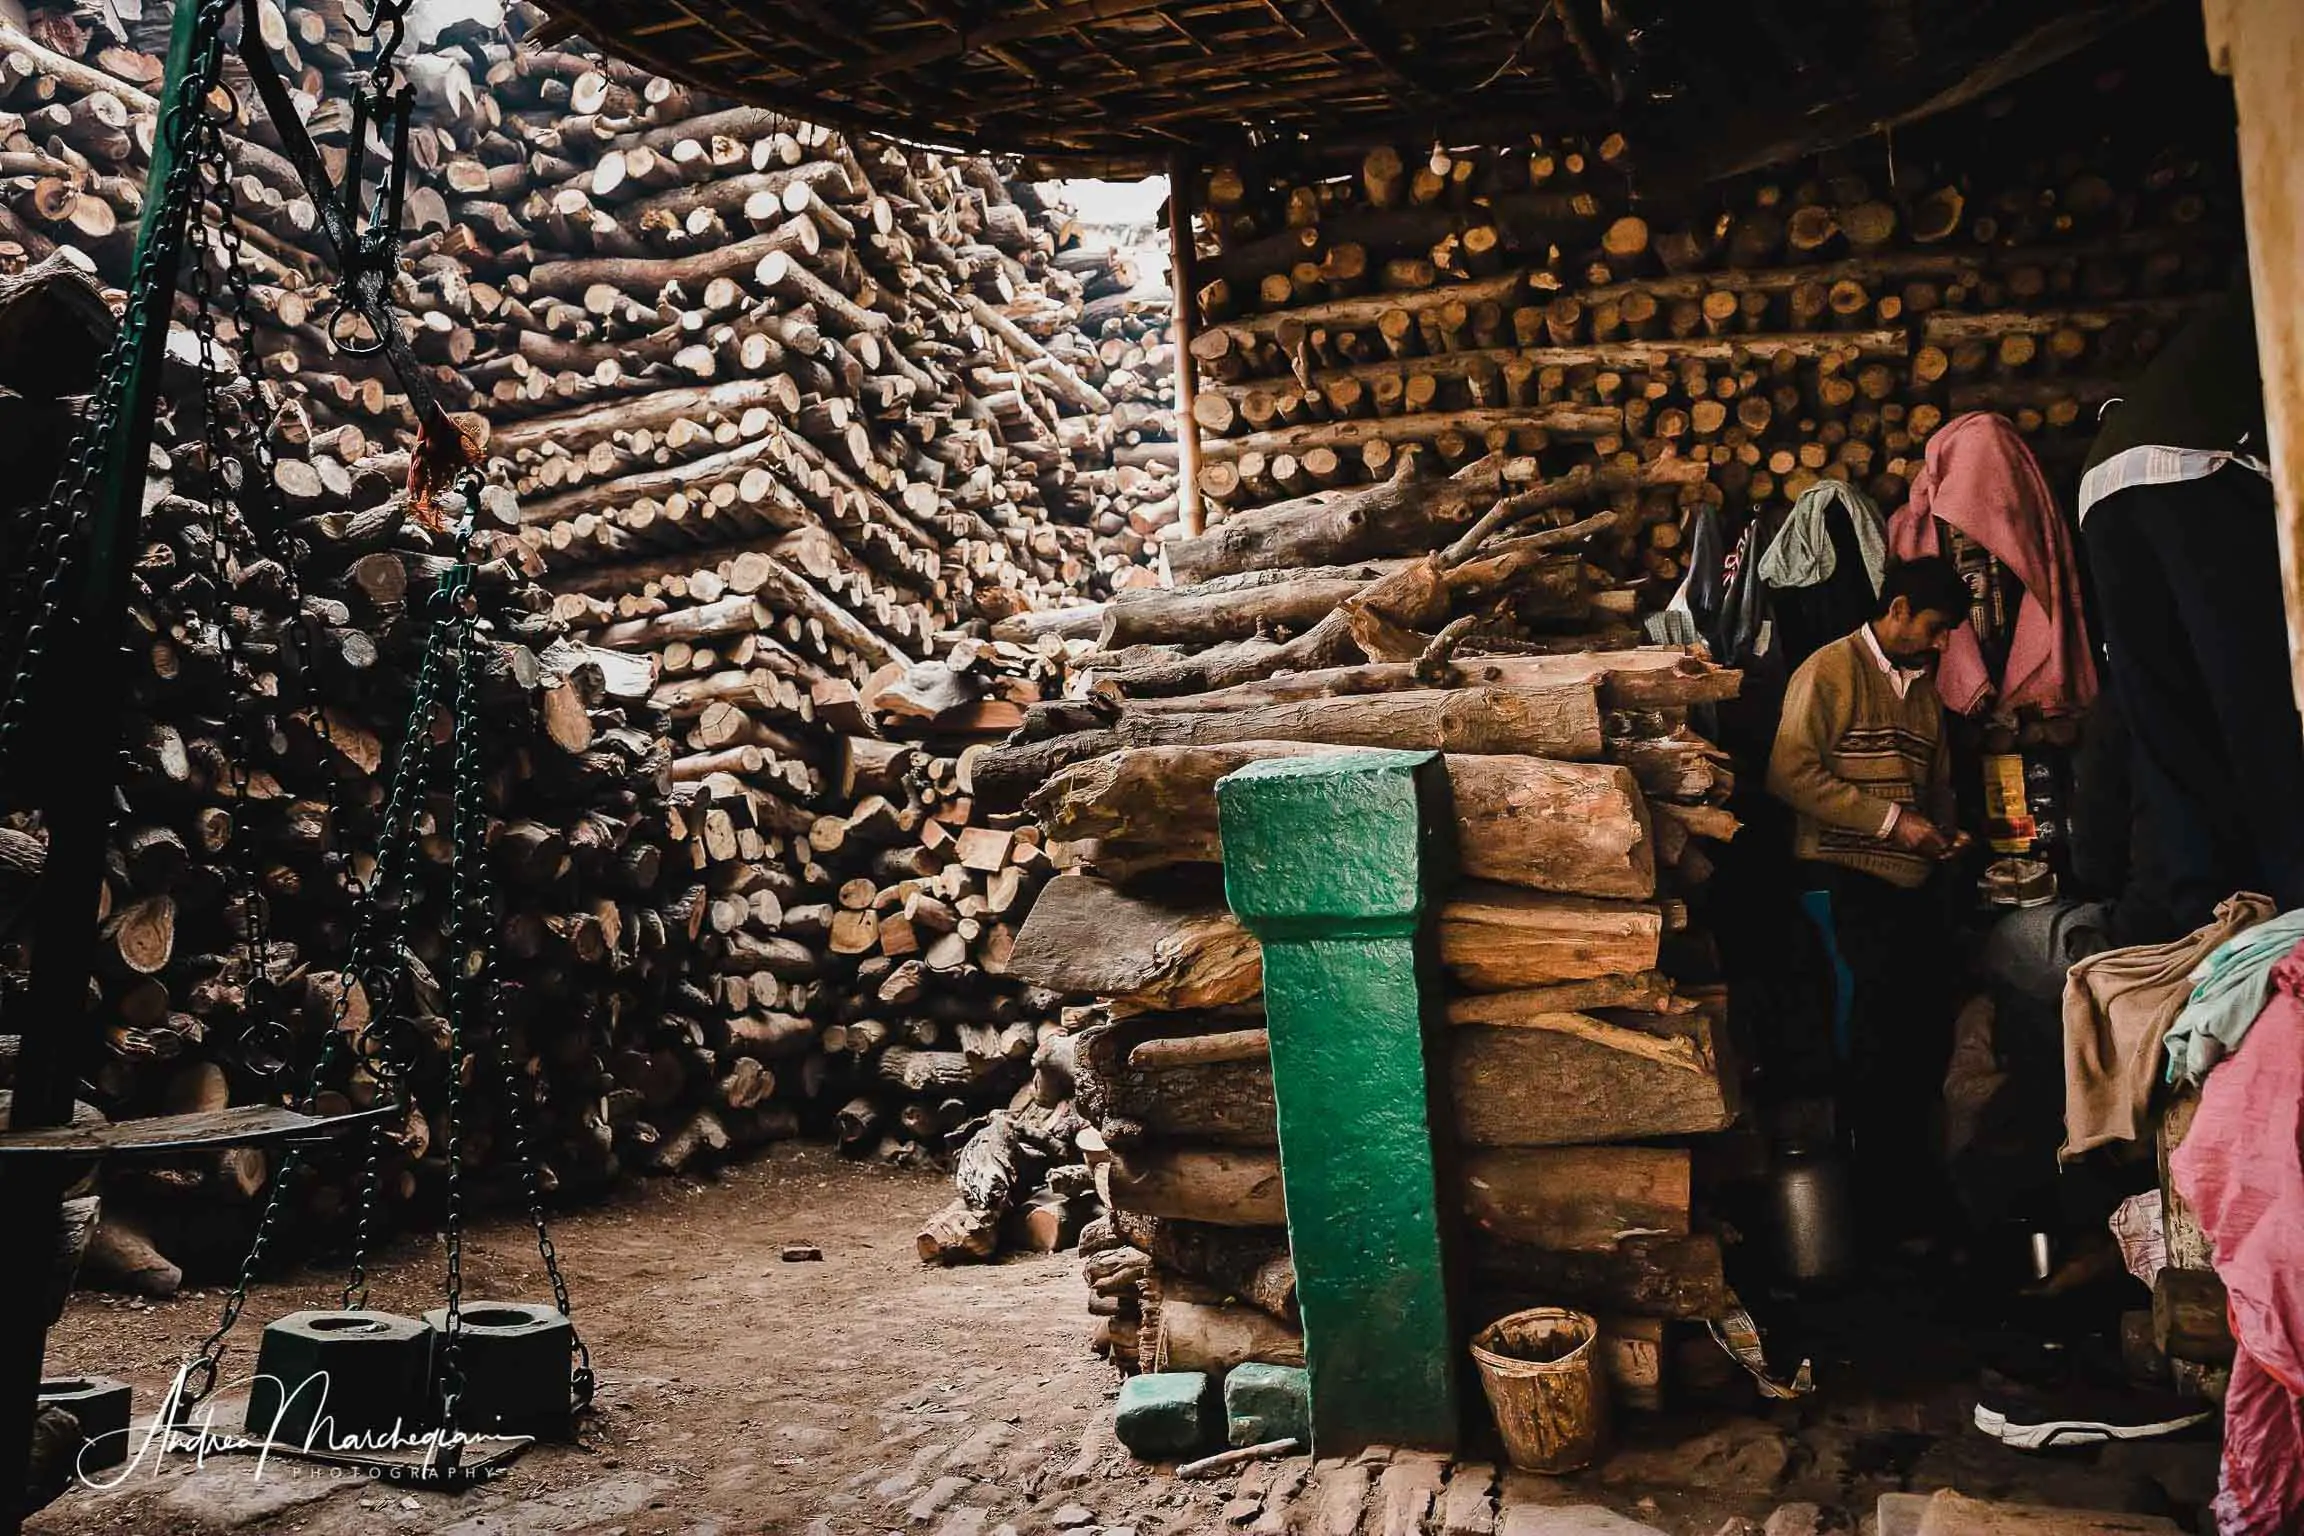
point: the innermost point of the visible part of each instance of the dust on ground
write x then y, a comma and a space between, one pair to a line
741, 1393
737, 1390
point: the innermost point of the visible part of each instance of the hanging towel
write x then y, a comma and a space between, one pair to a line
1802, 556
2228, 992
2118, 1005
1981, 479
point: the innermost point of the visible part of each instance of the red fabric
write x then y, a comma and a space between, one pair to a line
2260, 1491
2241, 1168
1980, 478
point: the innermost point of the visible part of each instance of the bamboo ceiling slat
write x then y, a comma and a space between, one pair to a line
1122, 82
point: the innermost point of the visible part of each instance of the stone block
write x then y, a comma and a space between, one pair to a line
1268, 1402
1166, 1415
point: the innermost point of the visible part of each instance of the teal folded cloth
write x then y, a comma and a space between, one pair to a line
2229, 989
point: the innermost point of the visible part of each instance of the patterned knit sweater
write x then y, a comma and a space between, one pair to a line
1847, 749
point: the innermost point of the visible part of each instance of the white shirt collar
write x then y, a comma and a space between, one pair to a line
1899, 678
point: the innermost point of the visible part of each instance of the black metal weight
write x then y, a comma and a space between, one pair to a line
102, 1407
517, 1359
341, 1380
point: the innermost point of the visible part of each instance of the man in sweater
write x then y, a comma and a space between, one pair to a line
2177, 523
1861, 759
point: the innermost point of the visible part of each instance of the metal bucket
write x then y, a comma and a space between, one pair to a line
1815, 1241
1541, 1371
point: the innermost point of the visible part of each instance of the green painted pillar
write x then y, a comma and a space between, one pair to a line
1333, 862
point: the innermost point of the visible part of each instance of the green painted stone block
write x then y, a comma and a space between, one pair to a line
1333, 862
1167, 1415
1268, 1402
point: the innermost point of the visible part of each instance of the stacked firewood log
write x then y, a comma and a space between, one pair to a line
1817, 320
1118, 340
246, 839
785, 413
1576, 988
1455, 613
869, 942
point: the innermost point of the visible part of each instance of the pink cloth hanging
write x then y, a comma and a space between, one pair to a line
1980, 478
2241, 1169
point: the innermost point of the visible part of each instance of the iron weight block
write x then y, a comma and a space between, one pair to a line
519, 1369
101, 1405
332, 1380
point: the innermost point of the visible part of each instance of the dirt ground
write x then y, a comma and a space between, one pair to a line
742, 1393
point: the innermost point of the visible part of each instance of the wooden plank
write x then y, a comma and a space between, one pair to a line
239, 1126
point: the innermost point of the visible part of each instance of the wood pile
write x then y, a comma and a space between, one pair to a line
1818, 320
666, 305
862, 929
1578, 981
784, 413
231, 895
1125, 468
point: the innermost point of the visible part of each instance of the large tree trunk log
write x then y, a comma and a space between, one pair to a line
958, 1234
1639, 992
1645, 678
1006, 776
1402, 515
1252, 1263
1153, 950
1562, 723
1493, 939
1207, 1101
1642, 1276
1576, 1199
1087, 937
1519, 820
1217, 1185
1206, 1336
1563, 1078
1197, 616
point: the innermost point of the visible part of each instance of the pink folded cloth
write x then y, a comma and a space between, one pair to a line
1980, 478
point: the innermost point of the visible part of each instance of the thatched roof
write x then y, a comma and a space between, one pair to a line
1119, 85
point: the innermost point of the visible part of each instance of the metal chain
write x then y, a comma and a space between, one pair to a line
508, 1068
379, 956
362, 967
62, 519
468, 952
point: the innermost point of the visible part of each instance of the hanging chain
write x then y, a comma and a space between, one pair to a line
55, 545
467, 950
507, 1066
367, 969
380, 961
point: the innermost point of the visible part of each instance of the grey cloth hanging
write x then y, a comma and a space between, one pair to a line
1801, 555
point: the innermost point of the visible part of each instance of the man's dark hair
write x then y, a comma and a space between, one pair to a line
1931, 584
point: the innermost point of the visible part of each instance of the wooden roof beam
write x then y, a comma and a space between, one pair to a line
1382, 49
1587, 52
1031, 24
